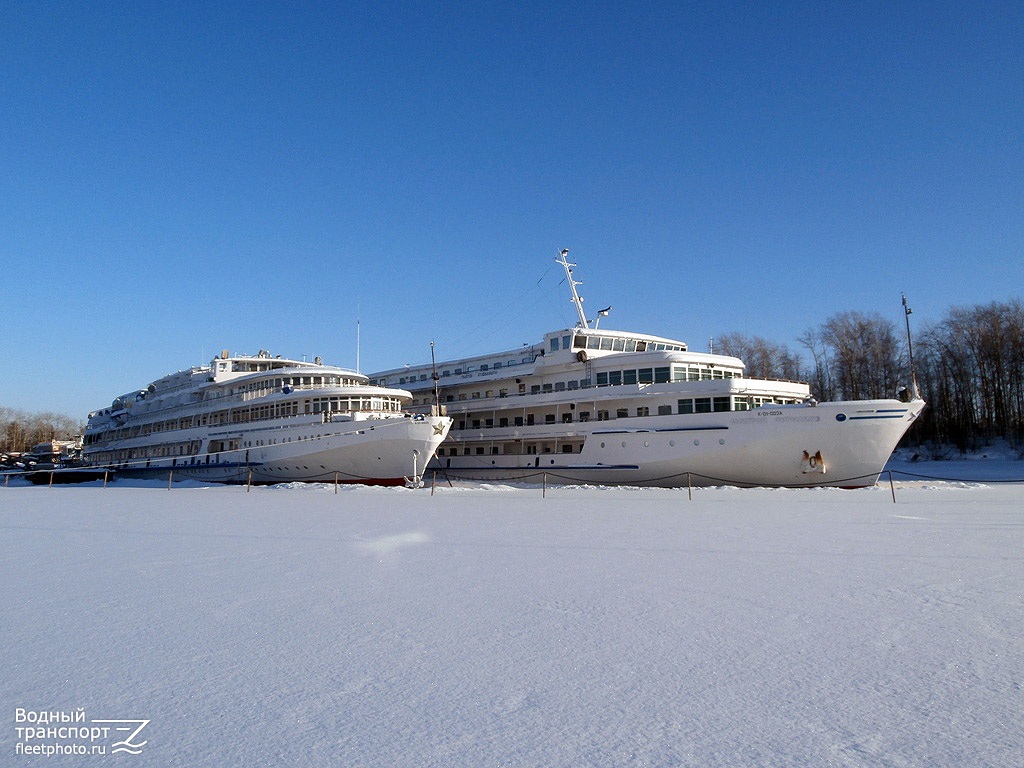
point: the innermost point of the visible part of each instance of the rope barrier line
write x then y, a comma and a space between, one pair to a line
716, 480
676, 476
952, 479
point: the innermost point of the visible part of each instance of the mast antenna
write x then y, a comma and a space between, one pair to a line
910, 347
577, 300
435, 377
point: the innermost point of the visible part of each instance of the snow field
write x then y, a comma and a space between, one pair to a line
491, 626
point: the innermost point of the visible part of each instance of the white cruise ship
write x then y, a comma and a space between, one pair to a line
592, 405
264, 419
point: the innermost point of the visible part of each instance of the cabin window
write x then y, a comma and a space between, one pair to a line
631, 345
646, 375
518, 421
584, 415
741, 404
618, 345
602, 379
702, 405
661, 375
606, 344
579, 342
554, 344
721, 404
643, 410
622, 413
602, 415
503, 421
549, 418
664, 410
567, 418
629, 376
547, 387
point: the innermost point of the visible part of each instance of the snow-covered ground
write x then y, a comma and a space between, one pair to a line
491, 626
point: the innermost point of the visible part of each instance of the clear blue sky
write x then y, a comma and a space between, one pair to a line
178, 178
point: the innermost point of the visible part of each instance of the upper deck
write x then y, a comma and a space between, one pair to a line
560, 349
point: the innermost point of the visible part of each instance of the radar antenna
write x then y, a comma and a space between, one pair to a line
577, 300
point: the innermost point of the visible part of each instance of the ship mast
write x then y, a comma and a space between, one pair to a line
910, 348
577, 300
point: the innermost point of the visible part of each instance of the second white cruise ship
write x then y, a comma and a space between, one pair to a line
601, 406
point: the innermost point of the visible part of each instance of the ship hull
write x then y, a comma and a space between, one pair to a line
840, 444
391, 451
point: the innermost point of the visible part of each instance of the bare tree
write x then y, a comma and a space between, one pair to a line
973, 374
20, 431
764, 359
864, 354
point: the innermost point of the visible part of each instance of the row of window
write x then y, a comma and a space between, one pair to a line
264, 386
683, 406
447, 372
610, 344
324, 405
664, 374
530, 449
628, 376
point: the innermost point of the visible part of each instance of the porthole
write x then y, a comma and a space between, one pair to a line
721, 441
696, 442
672, 443
623, 443
602, 445
647, 443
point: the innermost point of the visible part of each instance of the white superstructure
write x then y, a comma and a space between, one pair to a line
602, 406
264, 419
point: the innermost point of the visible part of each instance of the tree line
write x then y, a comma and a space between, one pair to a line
969, 367
21, 431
